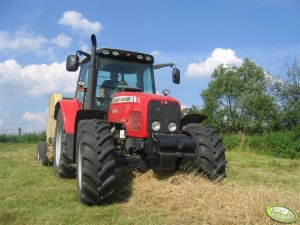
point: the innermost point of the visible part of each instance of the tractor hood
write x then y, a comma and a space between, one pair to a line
138, 110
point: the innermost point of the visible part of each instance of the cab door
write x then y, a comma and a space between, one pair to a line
80, 94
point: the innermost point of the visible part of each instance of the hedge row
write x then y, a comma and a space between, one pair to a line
25, 138
280, 144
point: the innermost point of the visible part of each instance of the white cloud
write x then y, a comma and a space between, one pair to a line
21, 41
218, 56
4, 116
62, 40
80, 24
272, 80
9, 71
37, 79
85, 48
34, 121
34, 117
155, 53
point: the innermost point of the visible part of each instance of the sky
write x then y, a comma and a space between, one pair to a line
36, 36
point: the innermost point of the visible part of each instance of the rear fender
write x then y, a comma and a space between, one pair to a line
192, 118
69, 108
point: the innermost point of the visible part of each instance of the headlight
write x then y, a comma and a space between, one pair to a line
155, 126
172, 126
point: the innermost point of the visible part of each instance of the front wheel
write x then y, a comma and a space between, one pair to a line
95, 162
210, 151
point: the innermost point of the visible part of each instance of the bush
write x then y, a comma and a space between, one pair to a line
231, 141
296, 131
280, 144
26, 138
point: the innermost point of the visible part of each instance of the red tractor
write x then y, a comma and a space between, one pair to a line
116, 119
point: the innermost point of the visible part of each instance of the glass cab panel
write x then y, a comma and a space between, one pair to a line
114, 75
115, 72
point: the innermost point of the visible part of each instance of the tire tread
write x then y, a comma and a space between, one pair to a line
98, 162
210, 150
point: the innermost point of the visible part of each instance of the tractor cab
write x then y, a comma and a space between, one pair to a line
116, 71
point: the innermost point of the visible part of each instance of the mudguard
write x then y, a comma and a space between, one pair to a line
192, 118
69, 108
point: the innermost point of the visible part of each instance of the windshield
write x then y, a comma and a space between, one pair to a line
114, 73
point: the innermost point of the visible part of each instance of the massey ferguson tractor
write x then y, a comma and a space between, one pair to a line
116, 119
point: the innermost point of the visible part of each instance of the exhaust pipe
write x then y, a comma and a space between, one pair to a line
92, 78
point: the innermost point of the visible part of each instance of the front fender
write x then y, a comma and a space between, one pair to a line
69, 108
192, 118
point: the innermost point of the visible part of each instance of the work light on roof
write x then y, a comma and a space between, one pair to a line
148, 58
140, 57
105, 52
116, 53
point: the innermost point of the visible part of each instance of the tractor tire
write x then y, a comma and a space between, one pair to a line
42, 153
61, 163
210, 151
95, 157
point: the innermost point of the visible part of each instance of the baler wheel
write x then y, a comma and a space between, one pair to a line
42, 153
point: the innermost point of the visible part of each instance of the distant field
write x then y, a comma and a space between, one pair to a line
30, 194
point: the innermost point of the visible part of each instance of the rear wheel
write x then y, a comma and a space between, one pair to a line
61, 163
95, 162
210, 150
42, 153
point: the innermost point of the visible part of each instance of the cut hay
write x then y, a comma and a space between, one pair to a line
189, 199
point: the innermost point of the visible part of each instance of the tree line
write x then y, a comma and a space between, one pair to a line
247, 99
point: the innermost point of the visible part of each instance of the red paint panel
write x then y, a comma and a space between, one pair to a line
69, 109
119, 112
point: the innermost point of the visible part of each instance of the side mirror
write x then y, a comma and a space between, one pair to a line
72, 63
176, 75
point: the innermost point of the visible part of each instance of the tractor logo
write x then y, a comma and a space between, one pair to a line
281, 214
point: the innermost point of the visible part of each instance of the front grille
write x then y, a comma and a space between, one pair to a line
164, 113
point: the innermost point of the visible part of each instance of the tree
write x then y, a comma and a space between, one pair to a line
237, 99
192, 110
287, 90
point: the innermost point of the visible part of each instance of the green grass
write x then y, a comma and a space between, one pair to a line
246, 167
30, 194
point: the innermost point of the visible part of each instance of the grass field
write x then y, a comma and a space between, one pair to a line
30, 194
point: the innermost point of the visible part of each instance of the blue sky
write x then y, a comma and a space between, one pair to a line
37, 35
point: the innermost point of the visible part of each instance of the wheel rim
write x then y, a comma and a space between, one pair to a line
38, 155
79, 167
58, 143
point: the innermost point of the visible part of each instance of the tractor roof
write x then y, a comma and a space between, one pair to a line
119, 54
